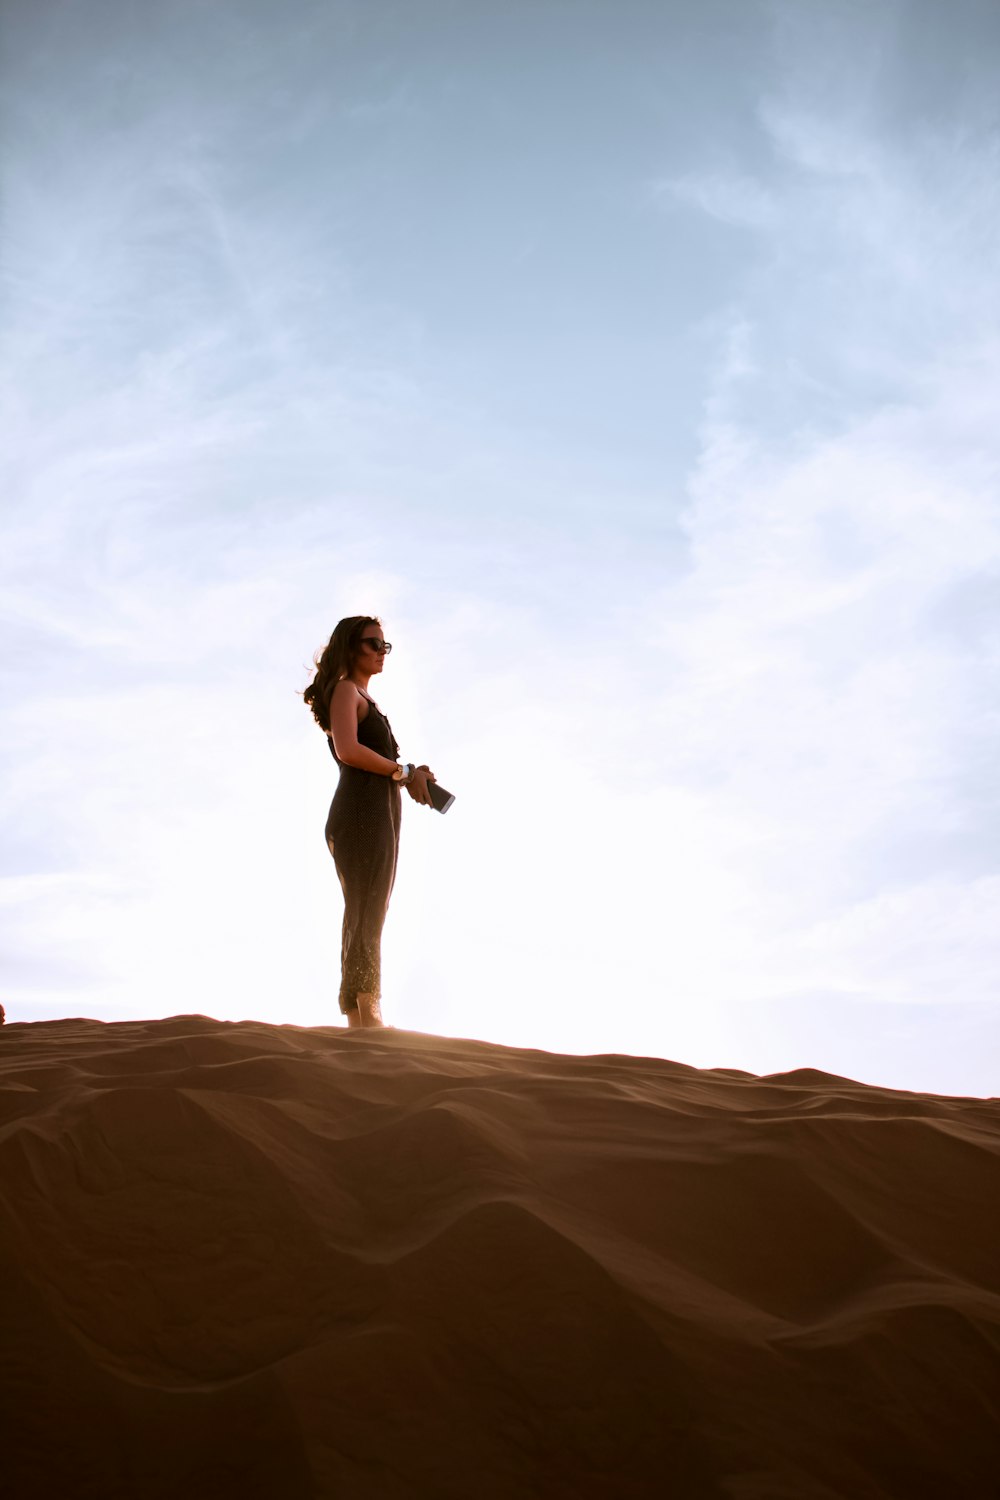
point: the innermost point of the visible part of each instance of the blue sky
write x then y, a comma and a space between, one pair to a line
638, 364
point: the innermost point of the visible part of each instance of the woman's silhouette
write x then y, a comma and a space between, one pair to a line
362, 830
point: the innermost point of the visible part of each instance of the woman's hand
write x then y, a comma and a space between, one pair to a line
417, 785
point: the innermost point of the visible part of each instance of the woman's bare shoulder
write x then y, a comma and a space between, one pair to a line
346, 691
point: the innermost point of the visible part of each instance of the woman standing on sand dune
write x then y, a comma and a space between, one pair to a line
362, 830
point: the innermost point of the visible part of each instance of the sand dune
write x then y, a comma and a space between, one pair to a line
249, 1260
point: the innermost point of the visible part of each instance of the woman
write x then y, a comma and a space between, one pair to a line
362, 831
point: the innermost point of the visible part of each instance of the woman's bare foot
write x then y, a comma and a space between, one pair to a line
369, 1010
354, 1019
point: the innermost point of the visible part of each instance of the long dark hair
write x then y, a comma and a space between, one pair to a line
335, 661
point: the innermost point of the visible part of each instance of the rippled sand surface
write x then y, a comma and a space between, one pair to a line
263, 1261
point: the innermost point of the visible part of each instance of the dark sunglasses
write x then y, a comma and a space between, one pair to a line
382, 647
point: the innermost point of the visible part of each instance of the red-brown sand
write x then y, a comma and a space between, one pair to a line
265, 1261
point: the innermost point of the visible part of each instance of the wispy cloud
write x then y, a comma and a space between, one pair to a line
843, 732
730, 197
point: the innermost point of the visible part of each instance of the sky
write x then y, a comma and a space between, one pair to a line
637, 363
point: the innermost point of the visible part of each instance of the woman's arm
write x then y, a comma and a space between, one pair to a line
344, 730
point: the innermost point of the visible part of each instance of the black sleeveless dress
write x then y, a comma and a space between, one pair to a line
362, 834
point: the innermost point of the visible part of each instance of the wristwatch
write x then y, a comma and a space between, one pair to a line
402, 773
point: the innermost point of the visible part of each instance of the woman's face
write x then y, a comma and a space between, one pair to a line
370, 659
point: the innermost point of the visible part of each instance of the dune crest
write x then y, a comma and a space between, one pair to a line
254, 1260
